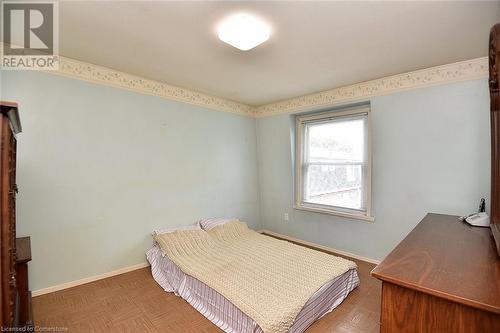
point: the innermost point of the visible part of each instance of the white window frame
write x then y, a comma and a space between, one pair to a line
365, 215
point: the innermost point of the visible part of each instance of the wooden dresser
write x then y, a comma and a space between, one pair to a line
15, 298
443, 277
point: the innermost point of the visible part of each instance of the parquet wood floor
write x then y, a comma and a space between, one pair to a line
133, 302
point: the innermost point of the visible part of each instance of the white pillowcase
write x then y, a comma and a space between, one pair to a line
167, 230
207, 224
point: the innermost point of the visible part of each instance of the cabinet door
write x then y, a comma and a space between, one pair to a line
494, 82
13, 292
7, 222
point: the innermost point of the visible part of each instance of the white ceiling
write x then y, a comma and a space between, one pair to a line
314, 45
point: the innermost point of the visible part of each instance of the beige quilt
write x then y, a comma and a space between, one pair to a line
268, 279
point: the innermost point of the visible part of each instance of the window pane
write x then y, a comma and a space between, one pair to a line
336, 141
335, 185
334, 159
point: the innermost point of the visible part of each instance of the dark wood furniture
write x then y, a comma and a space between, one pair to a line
12, 288
443, 277
494, 60
23, 249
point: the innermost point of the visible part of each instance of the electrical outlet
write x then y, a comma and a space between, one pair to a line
285, 217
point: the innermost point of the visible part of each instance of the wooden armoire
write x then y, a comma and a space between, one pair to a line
14, 296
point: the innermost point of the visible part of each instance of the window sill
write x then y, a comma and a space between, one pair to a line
336, 213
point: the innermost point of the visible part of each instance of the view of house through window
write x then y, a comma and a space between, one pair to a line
334, 171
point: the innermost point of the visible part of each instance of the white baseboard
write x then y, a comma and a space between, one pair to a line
88, 279
321, 247
145, 264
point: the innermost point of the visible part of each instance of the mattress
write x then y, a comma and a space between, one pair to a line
230, 318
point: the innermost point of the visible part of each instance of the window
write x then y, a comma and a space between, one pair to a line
333, 163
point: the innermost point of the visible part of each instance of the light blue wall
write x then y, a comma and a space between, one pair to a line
431, 153
99, 168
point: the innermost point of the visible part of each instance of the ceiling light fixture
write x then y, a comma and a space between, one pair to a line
243, 31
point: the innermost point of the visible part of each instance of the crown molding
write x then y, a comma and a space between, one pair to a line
80, 70
445, 74
105, 76
450, 73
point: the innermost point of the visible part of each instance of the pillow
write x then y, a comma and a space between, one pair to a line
168, 230
207, 224
230, 230
184, 242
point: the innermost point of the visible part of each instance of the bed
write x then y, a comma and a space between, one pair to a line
209, 298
